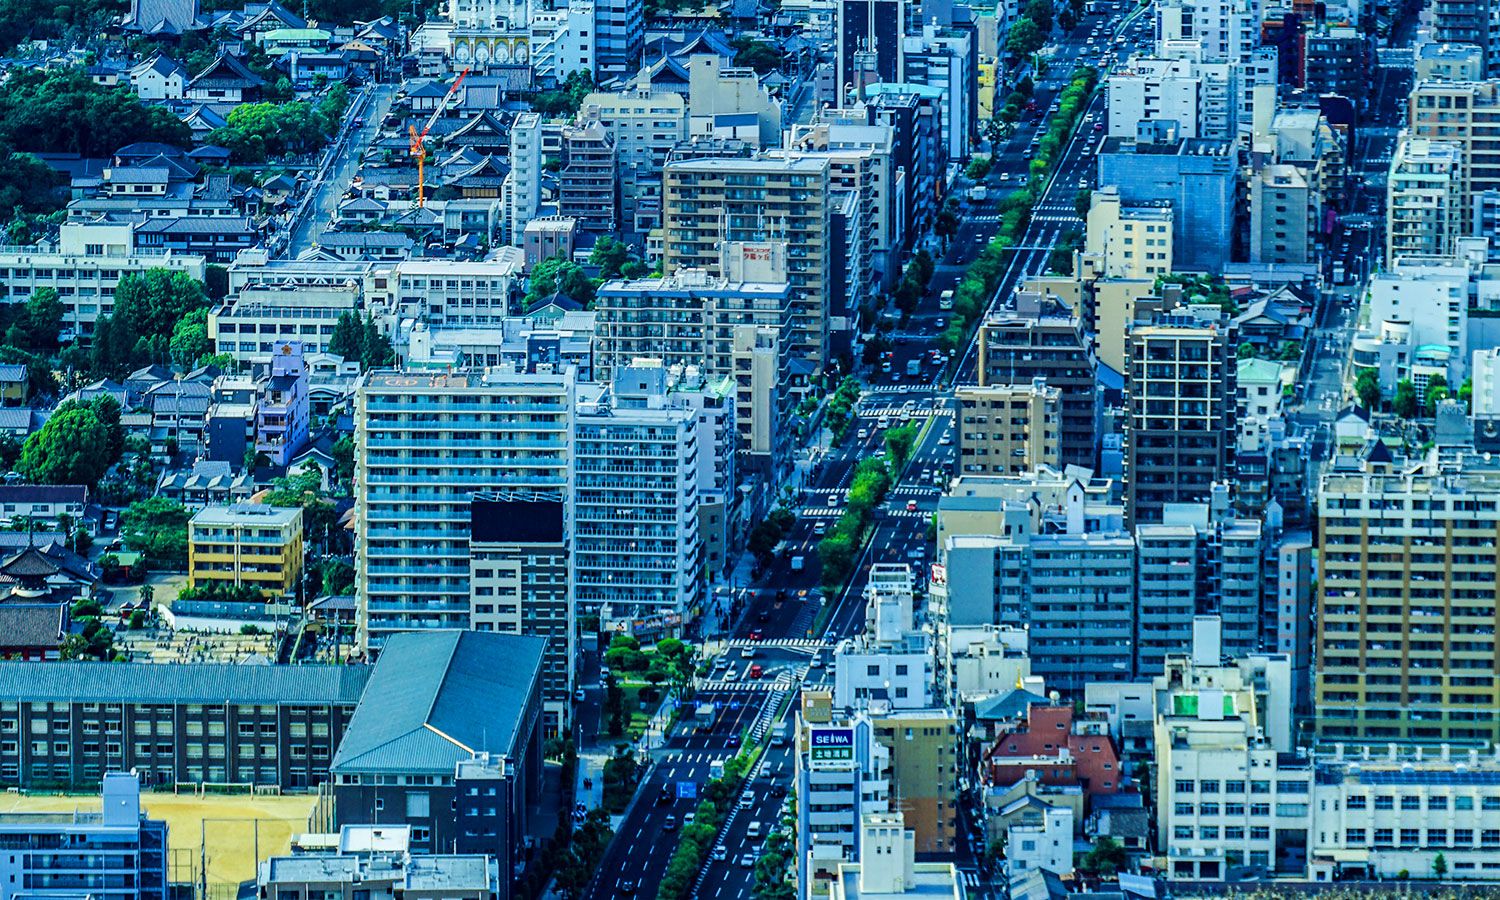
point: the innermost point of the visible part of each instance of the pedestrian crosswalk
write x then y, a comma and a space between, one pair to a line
691, 756
910, 513
1057, 218
799, 644
914, 490
759, 685
971, 879
900, 389
819, 512
895, 411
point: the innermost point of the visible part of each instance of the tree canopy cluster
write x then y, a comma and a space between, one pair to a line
62, 111
362, 341
838, 414
77, 445
156, 528
615, 260
559, 275
258, 131
838, 550
565, 100
149, 309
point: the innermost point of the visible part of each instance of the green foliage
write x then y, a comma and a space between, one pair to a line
335, 577
1104, 859
304, 489
558, 275
838, 414
348, 337
564, 101
979, 167
899, 442
39, 322
769, 532
1437, 391
148, 308
190, 341
1201, 289
1367, 388
27, 184
610, 256
343, 462
1405, 403
62, 111
1439, 865
1040, 12
759, 55
837, 551
1025, 38
257, 131
72, 448
377, 347
1466, 394
220, 592
156, 528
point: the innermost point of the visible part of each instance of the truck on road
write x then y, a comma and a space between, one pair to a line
978, 193
799, 563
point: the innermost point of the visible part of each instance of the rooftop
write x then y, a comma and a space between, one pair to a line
247, 514
207, 683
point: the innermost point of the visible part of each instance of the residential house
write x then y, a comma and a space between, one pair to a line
226, 80
159, 77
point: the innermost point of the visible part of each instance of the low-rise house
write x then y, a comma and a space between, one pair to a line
226, 80
42, 503
207, 483
159, 77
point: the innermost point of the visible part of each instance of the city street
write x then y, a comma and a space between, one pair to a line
333, 182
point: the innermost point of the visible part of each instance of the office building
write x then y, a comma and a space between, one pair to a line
1225, 30
417, 471
637, 548
1485, 377
1425, 215
1128, 241
194, 723
117, 853
587, 187
708, 203
889, 665
1156, 90
1232, 801
1340, 60
1405, 626
869, 35
447, 292
1040, 338
840, 773
945, 59
248, 545
926, 760
1197, 176
1285, 216
447, 739
252, 325
1180, 403
384, 873
1418, 319
1008, 429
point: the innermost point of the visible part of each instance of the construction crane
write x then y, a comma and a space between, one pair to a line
419, 141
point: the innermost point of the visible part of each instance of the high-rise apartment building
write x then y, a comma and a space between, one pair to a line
1284, 216
1128, 240
1225, 30
426, 444
1041, 338
1474, 22
1405, 645
587, 186
708, 203
637, 551
620, 31
1424, 208
1466, 113
1180, 412
525, 178
644, 127
1008, 429
869, 48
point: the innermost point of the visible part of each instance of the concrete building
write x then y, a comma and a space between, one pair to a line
710, 202
587, 186
452, 292
887, 867
869, 46
1396, 808
637, 549
549, 236
1485, 375
85, 266
1468, 22
925, 763
1284, 217
1199, 177
1462, 113
644, 127
1408, 553
945, 59
1449, 62
385, 874
1225, 30
253, 324
862, 159
1042, 840
1340, 59
195, 723
282, 418
1156, 90
841, 773
1418, 321
983, 661
1425, 214
1231, 799
117, 853
1040, 338
891, 663
524, 183
619, 29
1008, 429
447, 740
247, 545
1180, 403
520, 583
415, 434
1130, 241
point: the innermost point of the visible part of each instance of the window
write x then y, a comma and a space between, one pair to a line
1186, 786
1354, 836
1260, 787
1437, 837
1260, 833
1260, 809
1385, 802
1234, 833
1411, 802
1209, 809
1410, 837
1208, 833
1234, 787
1208, 787
1463, 837
1437, 802
1358, 801
1182, 809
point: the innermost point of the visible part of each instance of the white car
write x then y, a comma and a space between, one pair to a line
718, 854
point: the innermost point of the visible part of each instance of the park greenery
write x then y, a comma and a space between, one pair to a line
899, 442
63, 111
361, 341
838, 550
255, 132
94, 640
77, 445
559, 275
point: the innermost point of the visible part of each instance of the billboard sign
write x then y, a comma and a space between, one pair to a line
831, 745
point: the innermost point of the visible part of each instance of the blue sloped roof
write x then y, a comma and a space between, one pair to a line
438, 697
94, 682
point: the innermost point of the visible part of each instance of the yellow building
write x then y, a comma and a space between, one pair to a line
1008, 429
246, 544
1133, 241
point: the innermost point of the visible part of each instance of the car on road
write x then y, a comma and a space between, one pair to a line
864, 434
718, 853
755, 671
883, 422
626, 888
670, 824
817, 663
755, 634
911, 506
747, 653
1083, 182
747, 861
579, 696
747, 798
820, 528
945, 440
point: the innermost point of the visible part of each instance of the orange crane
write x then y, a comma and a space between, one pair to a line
419, 141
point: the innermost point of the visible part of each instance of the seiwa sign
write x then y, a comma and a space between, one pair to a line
831, 745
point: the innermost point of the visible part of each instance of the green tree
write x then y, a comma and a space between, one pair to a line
107, 410
343, 461
1025, 39
27, 185
1405, 403
156, 528
1466, 394
348, 338
378, 350
1437, 391
1439, 866
899, 443
609, 255
64, 111
39, 323
190, 341
1106, 858
148, 306
1040, 12
558, 275
755, 54
979, 167
72, 448
1082, 201
1367, 388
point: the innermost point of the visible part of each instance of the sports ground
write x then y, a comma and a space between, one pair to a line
226, 833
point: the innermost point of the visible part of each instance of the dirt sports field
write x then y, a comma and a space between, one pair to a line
230, 828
